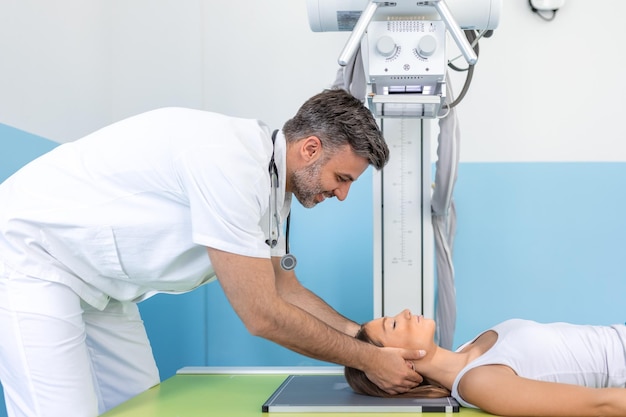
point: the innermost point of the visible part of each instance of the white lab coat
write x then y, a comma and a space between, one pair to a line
128, 210
98, 224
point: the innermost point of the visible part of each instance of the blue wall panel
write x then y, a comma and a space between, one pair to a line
18, 148
542, 241
176, 327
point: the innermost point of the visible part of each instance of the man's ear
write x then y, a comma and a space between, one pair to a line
311, 148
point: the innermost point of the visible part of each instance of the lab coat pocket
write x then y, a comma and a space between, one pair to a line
89, 252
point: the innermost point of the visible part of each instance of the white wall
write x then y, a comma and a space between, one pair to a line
54, 66
549, 91
542, 91
70, 67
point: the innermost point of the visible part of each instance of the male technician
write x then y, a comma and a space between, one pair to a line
99, 224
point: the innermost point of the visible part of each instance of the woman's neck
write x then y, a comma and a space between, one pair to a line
442, 365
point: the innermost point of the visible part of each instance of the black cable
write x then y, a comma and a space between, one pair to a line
540, 14
471, 37
287, 232
457, 69
547, 18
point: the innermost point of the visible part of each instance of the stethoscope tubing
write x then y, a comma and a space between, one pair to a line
288, 261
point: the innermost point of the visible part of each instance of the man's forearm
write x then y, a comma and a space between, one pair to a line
311, 303
305, 332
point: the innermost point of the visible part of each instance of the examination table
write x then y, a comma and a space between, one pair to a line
232, 392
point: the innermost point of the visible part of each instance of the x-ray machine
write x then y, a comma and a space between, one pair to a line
396, 60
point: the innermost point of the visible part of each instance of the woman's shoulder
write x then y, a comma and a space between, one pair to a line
482, 376
483, 343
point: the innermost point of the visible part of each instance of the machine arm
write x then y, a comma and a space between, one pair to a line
455, 30
368, 13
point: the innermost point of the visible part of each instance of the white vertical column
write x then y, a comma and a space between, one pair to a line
403, 246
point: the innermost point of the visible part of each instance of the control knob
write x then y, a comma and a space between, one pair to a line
426, 46
386, 46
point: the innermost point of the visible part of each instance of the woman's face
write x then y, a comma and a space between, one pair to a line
404, 331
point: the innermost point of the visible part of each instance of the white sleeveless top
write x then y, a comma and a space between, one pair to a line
591, 356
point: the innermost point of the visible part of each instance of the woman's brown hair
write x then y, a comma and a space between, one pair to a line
360, 384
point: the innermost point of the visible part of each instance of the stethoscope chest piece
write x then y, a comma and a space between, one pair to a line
288, 262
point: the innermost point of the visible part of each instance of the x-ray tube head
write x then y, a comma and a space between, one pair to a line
403, 47
342, 15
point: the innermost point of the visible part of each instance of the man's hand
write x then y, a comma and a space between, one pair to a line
392, 371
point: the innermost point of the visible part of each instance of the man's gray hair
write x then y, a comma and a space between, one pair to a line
338, 118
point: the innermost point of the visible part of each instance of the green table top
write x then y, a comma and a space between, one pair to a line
215, 392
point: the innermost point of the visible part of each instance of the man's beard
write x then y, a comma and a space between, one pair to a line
306, 184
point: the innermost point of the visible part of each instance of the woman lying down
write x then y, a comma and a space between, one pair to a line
517, 368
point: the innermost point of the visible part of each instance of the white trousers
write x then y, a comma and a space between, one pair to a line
60, 357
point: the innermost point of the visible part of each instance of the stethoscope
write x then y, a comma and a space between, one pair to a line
288, 261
